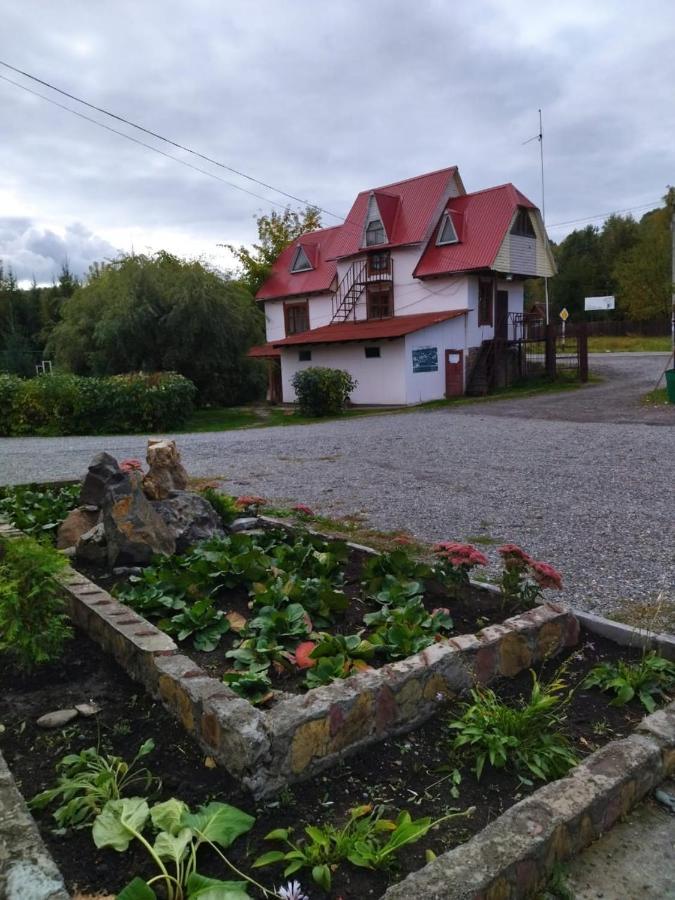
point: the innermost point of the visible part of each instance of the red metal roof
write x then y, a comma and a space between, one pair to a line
369, 329
408, 208
319, 247
481, 220
264, 351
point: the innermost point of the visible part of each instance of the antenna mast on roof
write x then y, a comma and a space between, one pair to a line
540, 137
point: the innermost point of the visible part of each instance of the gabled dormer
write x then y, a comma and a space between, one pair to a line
303, 258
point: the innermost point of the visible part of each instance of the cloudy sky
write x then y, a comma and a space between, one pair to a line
321, 100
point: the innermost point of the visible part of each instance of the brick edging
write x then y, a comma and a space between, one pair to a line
26, 867
513, 857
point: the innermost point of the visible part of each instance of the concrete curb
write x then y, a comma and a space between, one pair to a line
627, 635
27, 871
512, 858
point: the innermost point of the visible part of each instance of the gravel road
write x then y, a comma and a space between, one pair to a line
584, 480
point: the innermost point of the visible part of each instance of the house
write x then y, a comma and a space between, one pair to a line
408, 293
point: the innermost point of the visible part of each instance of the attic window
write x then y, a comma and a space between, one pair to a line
301, 261
375, 233
447, 233
523, 226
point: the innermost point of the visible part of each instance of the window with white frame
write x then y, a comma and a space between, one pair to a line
447, 233
375, 233
301, 261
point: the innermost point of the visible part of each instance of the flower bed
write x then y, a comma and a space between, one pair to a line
424, 773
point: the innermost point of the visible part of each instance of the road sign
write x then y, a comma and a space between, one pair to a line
564, 315
595, 304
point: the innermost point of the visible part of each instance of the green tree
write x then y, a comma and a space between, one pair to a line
643, 273
159, 313
275, 232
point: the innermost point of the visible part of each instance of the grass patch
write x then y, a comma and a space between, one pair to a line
659, 397
656, 615
631, 342
484, 539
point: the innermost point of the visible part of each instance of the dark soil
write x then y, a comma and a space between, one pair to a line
471, 608
409, 772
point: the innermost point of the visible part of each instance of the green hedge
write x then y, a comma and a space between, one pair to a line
322, 391
72, 404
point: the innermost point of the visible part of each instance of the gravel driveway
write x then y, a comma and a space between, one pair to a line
583, 480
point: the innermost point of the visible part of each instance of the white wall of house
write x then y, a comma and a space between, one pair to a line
380, 380
275, 327
424, 386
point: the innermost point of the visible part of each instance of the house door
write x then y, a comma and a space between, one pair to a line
274, 390
454, 373
502, 316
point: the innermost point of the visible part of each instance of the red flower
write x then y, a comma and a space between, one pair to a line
546, 576
302, 509
247, 500
303, 660
131, 465
402, 539
515, 557
460, 554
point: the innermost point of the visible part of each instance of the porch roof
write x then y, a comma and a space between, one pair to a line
264, 351
369, 329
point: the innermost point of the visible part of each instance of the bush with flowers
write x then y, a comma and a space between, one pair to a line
524, 579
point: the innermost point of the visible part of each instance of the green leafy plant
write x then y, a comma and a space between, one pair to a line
38, 510
322, 391
286, 626
397, 592
367, 840
335, 656
34, 626
398, 564
651, 678
201, 621
398, 632
87, 780
253, 683
527, 735
224, 504
179, 835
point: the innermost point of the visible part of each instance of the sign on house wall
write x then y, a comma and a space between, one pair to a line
425, 359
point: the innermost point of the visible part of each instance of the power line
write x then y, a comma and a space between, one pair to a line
141, 143
615, 212
161, 137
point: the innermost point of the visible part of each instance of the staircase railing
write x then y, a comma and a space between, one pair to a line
349, 290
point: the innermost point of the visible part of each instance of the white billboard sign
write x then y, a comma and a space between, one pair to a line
594, 304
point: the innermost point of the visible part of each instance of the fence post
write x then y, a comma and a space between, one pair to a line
551, 331
582, 351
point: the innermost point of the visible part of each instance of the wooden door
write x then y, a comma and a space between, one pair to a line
502, 316
454, 373
274, 392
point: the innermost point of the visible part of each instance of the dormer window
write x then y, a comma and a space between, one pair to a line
447, 233
375, 233
301, 261
522, 225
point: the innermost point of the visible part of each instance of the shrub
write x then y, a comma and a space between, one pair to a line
33, 624
322, 392
71, 404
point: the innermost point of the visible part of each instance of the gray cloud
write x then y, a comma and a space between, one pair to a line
324, 100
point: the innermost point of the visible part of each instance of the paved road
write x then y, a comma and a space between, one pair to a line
579, 479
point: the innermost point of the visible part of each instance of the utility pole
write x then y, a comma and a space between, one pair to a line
540, 137
672, 275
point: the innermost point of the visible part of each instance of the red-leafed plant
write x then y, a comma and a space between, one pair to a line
456, 560
524, 579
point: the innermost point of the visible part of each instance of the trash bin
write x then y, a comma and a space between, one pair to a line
670, 385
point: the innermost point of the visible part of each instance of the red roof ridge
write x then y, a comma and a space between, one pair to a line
369, 329
497, 187
383, 187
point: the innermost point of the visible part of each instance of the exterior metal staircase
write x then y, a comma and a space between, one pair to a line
349, 291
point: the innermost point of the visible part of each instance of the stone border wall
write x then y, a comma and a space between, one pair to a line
26, 868
512, 858
304, 734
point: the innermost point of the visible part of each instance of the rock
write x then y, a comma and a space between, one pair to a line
77, 522
88, 709
127, 570
57, 719
102, 474
243, 524
134, 531
92, 547
190, 518
69, 552
166, 472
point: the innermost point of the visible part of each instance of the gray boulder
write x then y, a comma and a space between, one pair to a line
92, 547
189, 517
134, 531
103, 475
